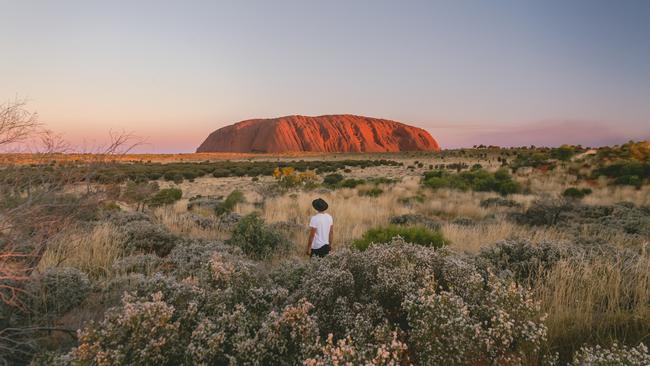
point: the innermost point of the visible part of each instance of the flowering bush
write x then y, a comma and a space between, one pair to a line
616, 355
138, 333
348, 352
499, 324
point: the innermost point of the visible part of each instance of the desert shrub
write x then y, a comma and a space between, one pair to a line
189, 258
499, 202
521, 259
539, 160
391, 352
351, 183
477, 180
628, 180
166, 196
58, 290
147, 237
138, 333
413, 234
174, 176
257, 240
629, 172
369, 307
372, 192
382, 180
497, 323
463, 221
220, 173
544, 213
233, 199
415, 219
616, 355
332, 179
564, 152
576, 193
580, 220
139, 263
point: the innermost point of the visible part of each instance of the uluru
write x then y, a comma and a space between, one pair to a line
329, 133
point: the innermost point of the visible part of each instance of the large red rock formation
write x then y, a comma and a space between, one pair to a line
332, 133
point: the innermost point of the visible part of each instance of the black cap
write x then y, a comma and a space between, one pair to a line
319, 204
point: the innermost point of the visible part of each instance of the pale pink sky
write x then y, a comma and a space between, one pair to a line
505, 72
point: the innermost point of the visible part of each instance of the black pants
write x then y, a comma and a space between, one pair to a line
321, 252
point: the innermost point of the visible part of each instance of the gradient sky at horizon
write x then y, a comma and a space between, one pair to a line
505, 72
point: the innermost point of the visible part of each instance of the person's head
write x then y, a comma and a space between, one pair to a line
319, 204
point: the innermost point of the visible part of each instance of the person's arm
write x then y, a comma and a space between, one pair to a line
331, 237
312, 233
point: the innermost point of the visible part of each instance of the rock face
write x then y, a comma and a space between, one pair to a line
332, 133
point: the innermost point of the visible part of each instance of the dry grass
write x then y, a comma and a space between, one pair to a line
92, 251
173, 219
471, 239
597, 299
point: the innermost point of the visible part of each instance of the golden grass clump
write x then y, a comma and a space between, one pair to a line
597, 299
92, 251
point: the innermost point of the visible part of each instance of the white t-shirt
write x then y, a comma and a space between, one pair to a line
322, 222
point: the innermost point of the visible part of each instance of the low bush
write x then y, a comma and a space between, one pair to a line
371, 192
521, 259
499, 202
332, 179
166, 196
147, 237
351, 183
58, 290
413, 234
415, 220
233, 199
576, 193
257, 240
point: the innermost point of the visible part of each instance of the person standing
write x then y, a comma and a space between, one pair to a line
321, 230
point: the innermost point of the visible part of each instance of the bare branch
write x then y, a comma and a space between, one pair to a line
16, 122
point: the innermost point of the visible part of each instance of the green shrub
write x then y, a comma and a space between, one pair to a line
233, 199
576, 193
219, 173
413, 234
166, 196
351, 183
372, 192
257, 240
332, 179
628, 180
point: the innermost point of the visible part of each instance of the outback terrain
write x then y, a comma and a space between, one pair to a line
482, 256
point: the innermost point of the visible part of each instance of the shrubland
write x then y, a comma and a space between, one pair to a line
432, 262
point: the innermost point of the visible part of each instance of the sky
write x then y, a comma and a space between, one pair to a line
501, 72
